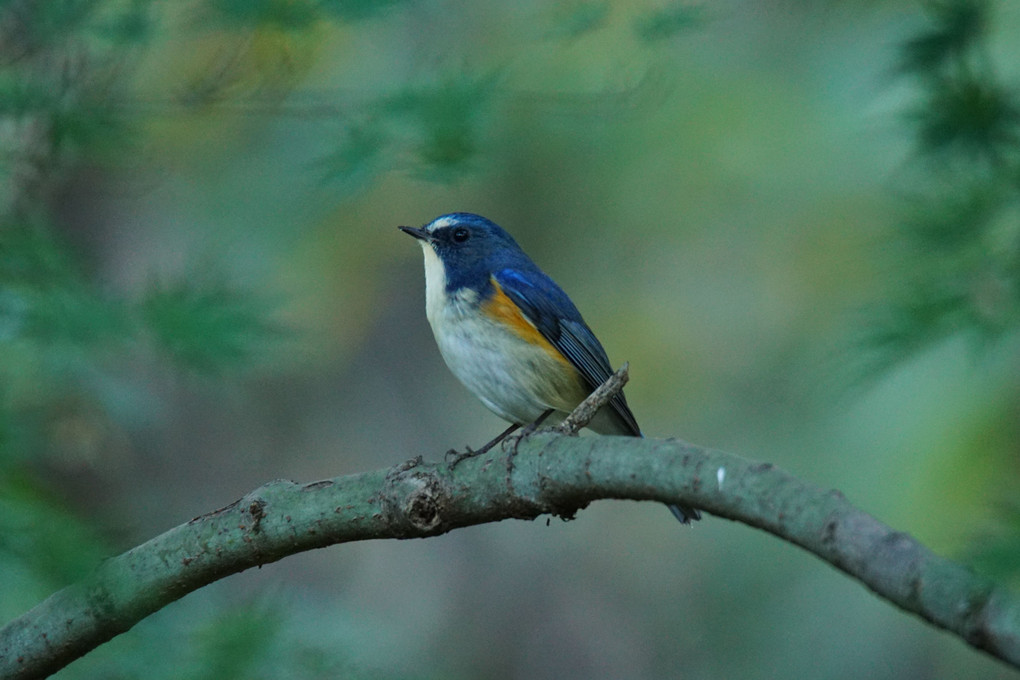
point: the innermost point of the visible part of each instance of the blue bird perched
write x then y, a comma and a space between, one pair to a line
510, 334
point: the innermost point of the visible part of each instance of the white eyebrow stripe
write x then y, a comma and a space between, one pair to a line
439, 223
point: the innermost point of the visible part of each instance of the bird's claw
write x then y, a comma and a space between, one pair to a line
514, 440
454, 457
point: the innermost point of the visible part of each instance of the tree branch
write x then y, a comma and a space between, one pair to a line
551, 474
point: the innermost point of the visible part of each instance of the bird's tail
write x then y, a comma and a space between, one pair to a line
685, 513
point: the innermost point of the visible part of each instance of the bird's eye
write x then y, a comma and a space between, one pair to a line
461, 234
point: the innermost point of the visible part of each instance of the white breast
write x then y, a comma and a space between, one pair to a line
513, 378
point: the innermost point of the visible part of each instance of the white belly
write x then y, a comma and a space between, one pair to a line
516, 380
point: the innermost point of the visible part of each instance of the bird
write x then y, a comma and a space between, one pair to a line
510, 334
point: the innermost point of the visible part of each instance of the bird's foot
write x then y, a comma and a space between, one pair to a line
454, 457
510, 445
514, 440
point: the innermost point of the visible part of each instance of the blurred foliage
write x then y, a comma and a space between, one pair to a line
669, 21
348, 10
58, 329
255, 639
959, 258
83, 82
957, 263
281, 14
996, 552
956, 27
574, 19
42, 536
434, 133
207, 325
65, 69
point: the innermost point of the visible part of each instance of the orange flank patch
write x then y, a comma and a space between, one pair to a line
501, 308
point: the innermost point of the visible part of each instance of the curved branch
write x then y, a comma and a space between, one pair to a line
550, 474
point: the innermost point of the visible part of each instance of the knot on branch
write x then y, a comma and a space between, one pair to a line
257, 510
424, 503
416, 498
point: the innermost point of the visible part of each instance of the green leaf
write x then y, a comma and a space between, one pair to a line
576, 19
132, 25
669, 22
235, 644
954, 219
446, 122
957, 25
44, 299
206, 325
20, 95
357, 158
38, 533
971, 116
31, 255
73, 317
997, 552
288, 15
353, 10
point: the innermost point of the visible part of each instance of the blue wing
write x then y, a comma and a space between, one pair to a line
557, 319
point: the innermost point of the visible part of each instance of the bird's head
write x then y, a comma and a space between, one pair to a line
469, 247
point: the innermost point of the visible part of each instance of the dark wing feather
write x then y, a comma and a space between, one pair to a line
557, 319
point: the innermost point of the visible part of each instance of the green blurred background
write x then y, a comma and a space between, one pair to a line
798, 221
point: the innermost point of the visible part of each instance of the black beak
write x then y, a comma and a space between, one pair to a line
416, 232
